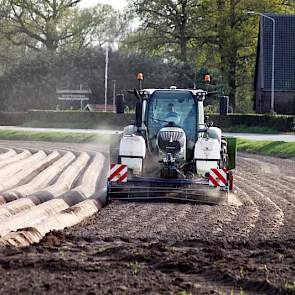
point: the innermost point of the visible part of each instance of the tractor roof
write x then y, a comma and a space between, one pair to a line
193, 91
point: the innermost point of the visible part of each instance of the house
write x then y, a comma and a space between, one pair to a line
284, 100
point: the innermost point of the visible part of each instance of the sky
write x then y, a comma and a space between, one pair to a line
118, 4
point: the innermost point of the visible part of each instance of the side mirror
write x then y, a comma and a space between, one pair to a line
203, 130
120, 104
207, 122
138, 113
223, 105
210, 124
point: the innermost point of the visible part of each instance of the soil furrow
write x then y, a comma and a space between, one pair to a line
271, 217
161, 248
280, 198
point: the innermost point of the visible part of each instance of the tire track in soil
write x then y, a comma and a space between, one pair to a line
279, 197
245, 217
281, 166
244, 220
271, 216
272, 186
287, 184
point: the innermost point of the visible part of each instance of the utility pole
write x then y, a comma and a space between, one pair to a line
106, 78
81, 102
114, 96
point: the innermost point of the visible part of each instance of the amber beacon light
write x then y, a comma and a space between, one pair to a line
207, 78
140, 76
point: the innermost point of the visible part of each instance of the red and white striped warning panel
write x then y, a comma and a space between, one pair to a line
118, 173
218, 178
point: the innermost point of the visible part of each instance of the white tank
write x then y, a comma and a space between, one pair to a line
132, 152
214, 132
206, 155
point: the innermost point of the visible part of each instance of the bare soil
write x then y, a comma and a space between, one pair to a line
160, 248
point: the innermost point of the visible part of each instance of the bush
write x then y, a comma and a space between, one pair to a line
95, 119
280, 122
32, 83
11, 119
115, 121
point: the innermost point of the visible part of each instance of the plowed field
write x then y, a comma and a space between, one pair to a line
158, 248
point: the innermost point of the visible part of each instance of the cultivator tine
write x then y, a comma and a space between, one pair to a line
166, 190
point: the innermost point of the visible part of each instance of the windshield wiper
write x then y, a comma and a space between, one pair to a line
159, 120
170, 123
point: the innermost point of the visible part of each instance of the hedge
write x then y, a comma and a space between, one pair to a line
101, 119
279, 122
12, 118
115, 121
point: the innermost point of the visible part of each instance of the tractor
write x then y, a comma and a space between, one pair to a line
172, 152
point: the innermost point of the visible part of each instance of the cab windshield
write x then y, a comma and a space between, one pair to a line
178, 107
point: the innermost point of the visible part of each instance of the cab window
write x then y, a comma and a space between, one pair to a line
178, 107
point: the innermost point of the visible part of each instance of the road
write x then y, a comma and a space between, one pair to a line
87, 131
272, 137
160, 248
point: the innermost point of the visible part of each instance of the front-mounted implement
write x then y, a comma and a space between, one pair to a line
211, 190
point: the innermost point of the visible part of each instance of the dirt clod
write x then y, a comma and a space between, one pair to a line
54, 238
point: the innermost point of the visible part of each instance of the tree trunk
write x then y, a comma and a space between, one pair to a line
232, 78
183, 32
51, 45
228, 50
221, 40
183, 49
232, 69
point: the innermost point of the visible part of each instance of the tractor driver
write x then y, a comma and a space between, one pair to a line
171, 114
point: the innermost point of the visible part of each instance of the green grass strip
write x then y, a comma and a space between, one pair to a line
53, 136
67, 125
251, 129
266, 147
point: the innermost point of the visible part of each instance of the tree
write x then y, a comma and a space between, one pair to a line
234, 34
37, 24
167, 25
218, 35
9, 53
96, 25
59, 24
32, 82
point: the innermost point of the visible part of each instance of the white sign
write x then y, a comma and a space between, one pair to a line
73, 97
69, 95
73, 91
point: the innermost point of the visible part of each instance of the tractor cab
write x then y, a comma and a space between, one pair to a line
170, 121
171, 116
